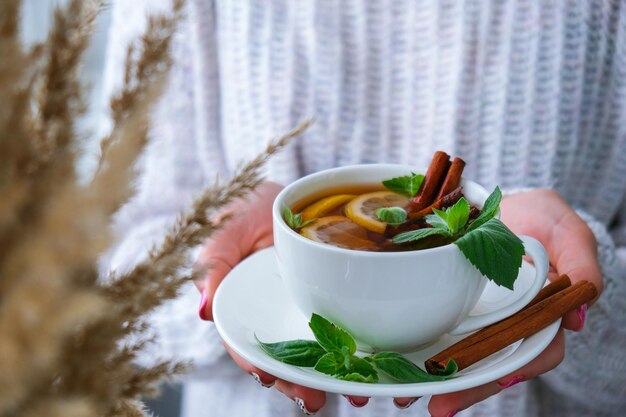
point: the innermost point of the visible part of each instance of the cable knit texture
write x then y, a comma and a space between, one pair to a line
529, 93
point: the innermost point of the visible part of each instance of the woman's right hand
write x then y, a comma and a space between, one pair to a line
248, 231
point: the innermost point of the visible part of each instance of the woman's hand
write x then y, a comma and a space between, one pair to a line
250, 230
546, 216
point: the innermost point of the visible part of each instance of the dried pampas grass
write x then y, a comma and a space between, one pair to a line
64, 331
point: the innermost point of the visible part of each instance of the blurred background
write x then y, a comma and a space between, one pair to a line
36, 20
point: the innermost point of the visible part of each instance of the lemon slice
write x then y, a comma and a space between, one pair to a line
338, 231
325, 205
362, 209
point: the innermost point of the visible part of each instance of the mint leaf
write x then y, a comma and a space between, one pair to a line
331, 337
330, 364
360, 370
294, 352
288, 216
403, 370
454, 217
354, 369
391, 215
494, 250
408, 185
489, 210
295, 220
438, 220
419, 234
356, 377
458, 215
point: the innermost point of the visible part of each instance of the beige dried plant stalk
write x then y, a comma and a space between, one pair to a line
64, 331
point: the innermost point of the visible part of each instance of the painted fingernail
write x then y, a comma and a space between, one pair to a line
354, 403
257, 378
405, 406
582, 315
203, 302
300, 403
452, 413
513, 381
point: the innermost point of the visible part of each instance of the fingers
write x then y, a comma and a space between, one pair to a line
447, 404
265, 379
356, 401
308, 399
223, 255
571, 245
404, 402
248, 230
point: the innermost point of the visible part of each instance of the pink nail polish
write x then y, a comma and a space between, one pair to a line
452, 413
513, 381
582, 315
356, 404
203, 302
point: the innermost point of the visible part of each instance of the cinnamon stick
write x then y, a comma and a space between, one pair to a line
445, 201
474, 212
435, 174
557, 285
520, 325
453, 177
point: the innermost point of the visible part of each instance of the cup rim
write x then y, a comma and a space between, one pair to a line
277, 214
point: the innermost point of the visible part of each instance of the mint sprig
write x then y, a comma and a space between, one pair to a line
295, 352
403, 370
408, 185
295, 220
392, 215
495, 251
333, 353
486, 242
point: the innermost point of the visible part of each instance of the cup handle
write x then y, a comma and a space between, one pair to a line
540, 258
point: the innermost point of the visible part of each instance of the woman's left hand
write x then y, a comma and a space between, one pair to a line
546, 216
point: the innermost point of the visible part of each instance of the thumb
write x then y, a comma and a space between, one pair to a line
247, 231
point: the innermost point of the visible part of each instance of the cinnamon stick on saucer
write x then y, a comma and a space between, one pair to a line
435, 175
522, 324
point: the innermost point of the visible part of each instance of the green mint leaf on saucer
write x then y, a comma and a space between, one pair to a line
350, 368
294, 352
294, 220
331, 337
355, 377
391, 215
494, 250
360, 370
489, 210
403, 370
453, 218
418, 234
408, 185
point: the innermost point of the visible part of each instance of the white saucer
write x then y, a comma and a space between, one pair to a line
252, 300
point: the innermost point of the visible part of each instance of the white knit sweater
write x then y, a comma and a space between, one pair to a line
530, 93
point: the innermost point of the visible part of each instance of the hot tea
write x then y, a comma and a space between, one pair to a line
377, 217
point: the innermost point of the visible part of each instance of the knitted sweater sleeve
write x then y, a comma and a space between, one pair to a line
593, 367
171, 172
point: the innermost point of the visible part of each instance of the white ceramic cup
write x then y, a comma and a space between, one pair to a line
387, 300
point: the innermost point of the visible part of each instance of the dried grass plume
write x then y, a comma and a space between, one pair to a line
64, 331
